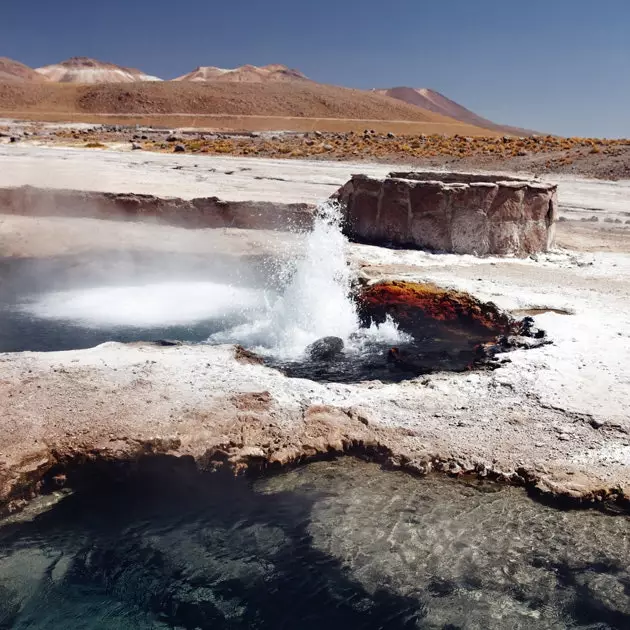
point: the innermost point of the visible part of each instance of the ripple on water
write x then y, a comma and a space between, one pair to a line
341, 544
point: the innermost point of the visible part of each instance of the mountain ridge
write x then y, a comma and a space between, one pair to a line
92, 71
436, 102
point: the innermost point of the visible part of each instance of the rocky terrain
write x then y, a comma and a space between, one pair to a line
536, 155
244, 74
553, 418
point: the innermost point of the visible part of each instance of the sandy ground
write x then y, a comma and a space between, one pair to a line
556, 417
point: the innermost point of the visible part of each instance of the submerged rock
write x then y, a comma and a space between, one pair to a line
325, 348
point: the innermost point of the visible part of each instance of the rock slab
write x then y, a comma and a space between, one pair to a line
451, 212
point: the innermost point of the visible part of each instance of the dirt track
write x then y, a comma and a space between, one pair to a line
227, 122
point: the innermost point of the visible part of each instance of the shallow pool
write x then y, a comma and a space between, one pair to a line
339, 544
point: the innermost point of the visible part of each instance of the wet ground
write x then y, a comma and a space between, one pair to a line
337, 544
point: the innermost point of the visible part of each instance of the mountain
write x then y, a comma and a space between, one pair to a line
15, 71
244, 74
291, 100
86, 70
440, 104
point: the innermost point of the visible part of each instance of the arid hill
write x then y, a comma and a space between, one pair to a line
244, 74
17, 72
295, 99
440, 104
86, 70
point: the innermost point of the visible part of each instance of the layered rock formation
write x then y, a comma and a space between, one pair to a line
244, 74
451, 212
202, 212
86, 70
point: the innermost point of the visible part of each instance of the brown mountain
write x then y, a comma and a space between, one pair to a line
14, 71
292, 101
244, 74
86, 70
440, 104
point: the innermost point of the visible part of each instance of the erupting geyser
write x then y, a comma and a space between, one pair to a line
316, 302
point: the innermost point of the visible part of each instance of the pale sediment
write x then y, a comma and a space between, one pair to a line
120, 402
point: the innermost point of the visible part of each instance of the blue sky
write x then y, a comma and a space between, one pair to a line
561, 66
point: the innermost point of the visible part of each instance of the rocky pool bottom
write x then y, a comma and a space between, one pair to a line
335, 544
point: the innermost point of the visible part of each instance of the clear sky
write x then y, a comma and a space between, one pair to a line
561, 66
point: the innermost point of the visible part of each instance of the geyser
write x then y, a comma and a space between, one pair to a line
317, 301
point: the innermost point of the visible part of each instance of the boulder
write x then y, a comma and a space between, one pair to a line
325, 349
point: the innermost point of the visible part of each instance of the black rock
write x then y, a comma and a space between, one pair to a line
325, 348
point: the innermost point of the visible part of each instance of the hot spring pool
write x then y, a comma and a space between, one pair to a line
339, 545
274, 305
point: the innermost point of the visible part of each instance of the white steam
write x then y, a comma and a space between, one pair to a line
148, 305
314, 303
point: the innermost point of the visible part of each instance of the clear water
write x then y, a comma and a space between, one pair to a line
334, 544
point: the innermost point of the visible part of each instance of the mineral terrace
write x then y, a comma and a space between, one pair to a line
554, 418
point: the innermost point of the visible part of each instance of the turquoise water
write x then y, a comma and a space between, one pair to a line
338, 544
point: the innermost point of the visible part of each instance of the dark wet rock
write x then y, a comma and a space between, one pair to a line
168, 342
529, 342
527, 328
179, 148
325, 348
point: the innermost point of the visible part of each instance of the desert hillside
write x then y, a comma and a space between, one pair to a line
14, 71
82, 88
295, 99
440, 104
86, 70
244, 74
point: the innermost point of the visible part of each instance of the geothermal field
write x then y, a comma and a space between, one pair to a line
249, 392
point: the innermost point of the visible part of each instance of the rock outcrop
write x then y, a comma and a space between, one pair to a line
201, 212
451, 212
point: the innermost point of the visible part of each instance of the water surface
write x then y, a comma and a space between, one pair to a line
339, 544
